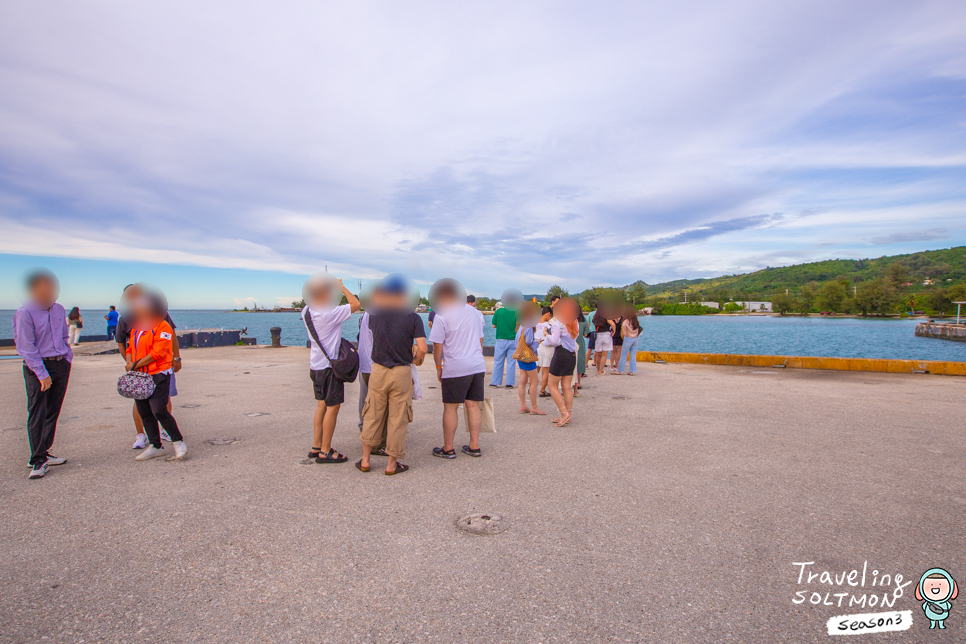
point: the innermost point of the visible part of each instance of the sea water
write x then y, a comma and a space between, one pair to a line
759, 335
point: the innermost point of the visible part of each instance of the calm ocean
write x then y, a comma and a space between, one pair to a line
794, 336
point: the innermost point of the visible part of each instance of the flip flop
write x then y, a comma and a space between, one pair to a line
524, 411
359, 466
538, 413
400, 468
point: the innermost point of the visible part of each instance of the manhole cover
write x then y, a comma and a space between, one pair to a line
619, 397
224, 440
190, 406
256, 414
482, 524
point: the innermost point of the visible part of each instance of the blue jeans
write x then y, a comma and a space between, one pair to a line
503, 353
629, 348
111, 332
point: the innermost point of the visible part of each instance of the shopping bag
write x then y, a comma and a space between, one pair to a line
487, 426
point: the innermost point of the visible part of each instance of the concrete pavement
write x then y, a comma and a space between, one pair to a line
673, 509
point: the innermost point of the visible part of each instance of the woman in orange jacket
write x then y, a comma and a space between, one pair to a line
149, 350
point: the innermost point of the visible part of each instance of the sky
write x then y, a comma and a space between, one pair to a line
226, 150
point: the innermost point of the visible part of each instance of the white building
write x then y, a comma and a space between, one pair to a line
756, 306
711, 305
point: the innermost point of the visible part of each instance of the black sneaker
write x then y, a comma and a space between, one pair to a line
472, 452
510, 387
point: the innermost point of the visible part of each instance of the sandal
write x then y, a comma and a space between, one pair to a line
538, 412
472, 452
331, 457
314, 453
560, 422
442, 453
400, 468
359, 466
544, 394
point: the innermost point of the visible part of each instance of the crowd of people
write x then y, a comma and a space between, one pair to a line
550, 346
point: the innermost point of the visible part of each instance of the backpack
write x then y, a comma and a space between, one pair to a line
345, 367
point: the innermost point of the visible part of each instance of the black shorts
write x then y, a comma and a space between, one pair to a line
463, 388
592, 340
327, 387
563, 362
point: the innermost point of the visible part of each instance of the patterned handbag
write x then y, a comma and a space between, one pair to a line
136, 384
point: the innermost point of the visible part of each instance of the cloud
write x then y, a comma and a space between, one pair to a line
509, 143
904, 238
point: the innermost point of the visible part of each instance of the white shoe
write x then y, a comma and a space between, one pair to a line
165, 437
141, 442
149, 452
38, 471
180, 450
55, 460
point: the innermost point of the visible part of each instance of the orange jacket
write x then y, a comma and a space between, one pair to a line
156, 342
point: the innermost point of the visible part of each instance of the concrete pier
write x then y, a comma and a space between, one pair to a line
942, 331
673, 509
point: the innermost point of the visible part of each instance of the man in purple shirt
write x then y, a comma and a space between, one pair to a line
41, 335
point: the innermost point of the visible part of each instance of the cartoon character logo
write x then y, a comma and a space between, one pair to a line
937, 589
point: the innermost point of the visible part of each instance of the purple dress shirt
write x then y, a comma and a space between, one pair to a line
41, 333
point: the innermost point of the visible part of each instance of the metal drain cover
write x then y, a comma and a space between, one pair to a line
482, 524
224, 440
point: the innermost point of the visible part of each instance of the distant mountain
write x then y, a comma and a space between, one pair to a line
945, 266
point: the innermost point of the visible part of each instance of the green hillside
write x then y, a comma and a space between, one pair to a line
881, 285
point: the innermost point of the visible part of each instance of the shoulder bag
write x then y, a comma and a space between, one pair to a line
345, 367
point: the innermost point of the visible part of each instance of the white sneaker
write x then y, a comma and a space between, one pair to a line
165, 437
180, 450
149, 452
38, 471
55, 460
141, 442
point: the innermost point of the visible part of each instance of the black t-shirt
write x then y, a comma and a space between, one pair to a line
123, 331
393, 334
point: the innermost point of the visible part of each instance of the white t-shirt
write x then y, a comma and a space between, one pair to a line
459, 331
328, 324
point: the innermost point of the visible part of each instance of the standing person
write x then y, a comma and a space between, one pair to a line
123, 332
505, 323
604, 341
365, 361
544, 352
471, 300
322, 293
583, 328
562, 335
458, 334
149, 350
41, 336
618, 341
529, 374
631, 330
111, 318
389, 406
75, 322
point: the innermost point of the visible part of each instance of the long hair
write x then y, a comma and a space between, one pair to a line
74, 314
631, 316
599, 319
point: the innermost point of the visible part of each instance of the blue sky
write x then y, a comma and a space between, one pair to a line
225, 151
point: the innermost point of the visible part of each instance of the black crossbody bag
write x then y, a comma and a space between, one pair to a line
345, 368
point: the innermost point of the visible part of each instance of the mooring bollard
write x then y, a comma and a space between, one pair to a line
276, 332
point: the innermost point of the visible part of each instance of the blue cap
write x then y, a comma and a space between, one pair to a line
394, 284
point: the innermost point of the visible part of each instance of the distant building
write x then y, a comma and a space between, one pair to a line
756, 306
711, 305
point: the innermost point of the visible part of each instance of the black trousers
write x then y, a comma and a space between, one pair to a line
154, 410
43, 407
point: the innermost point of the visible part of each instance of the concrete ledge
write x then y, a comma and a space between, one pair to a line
946, 368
